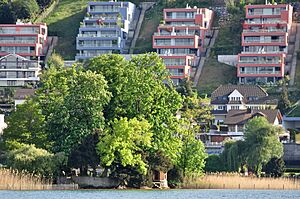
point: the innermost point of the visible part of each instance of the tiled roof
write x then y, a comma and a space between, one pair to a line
23, 93
258, 95
242, 116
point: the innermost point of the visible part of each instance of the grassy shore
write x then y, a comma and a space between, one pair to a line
235, 181
13, 180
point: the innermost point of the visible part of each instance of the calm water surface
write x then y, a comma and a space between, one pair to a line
151, 194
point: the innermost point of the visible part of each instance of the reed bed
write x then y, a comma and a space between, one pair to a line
235, 181
14, 180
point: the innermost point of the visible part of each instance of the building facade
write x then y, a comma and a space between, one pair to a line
26, 40
104, 29
181, 38
265, 43
239, 97
22, 48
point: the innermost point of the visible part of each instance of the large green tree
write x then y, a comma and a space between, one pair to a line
7, 16
262, 140
72, 102
26, 125
139, 91
25, 9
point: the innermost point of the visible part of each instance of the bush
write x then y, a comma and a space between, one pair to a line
214, 163
34, 160
25, 9
6, 14
44, 3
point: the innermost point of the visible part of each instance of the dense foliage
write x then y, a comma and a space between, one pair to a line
115, 113
10, 11
261, 144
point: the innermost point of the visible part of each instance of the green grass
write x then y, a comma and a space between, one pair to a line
64, 22
295, 113
214, 74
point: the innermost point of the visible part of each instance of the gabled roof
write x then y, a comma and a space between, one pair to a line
23, 93
240, 117
13, 55
220, 95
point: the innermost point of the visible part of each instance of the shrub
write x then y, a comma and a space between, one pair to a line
25, 9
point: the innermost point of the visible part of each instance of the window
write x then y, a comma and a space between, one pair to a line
220, 107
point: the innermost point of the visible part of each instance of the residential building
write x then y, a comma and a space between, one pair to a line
22, 48
181, 38
265, 43
239, 97
234, 127
104, 29
26, 40
16, 70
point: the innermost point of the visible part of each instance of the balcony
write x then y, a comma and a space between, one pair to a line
265, 41
117, 9
260, 61
260, 72
276, 21
17, 41
175, 63
97, 35
174, 34
101, 17
263, 30
98, 26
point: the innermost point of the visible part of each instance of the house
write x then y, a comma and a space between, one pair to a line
265, 43
239, 97
105, 29
234, 127
16, 70
22, 94
181, 39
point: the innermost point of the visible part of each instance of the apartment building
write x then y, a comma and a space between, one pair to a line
181, 38
265, 43
22, 47
104, 29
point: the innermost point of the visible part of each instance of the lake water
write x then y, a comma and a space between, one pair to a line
151, 194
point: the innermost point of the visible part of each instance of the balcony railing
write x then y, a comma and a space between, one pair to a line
101, 17
2, 31
260, 62
105, 10
264, 41
264, 30
173, 34
98, 45
17, 41
260, 72
174, 63
98, 35
98, 26
265, 22
262, 13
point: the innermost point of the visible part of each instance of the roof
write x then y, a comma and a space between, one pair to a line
13, 55
23, 93
243, 116
252, 94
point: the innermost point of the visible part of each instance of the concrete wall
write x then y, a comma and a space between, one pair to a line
90, 182
228, 59
291, 153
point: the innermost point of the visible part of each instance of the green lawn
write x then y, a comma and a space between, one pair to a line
64, 22
214, 74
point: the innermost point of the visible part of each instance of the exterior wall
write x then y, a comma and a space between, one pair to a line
291, 122
228, 59
265, 34
105, 29
17, 102
3, 125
